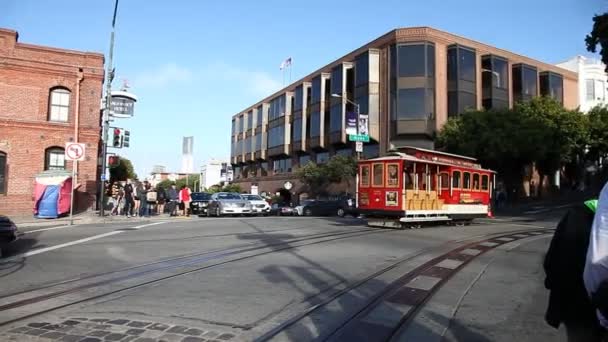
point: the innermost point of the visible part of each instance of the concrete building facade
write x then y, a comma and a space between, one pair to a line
592, 81
409, 81
48, 96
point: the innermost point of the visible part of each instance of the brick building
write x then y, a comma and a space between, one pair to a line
409, 81
48, 97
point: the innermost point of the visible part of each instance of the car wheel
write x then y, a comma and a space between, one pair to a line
341, 212
307, 212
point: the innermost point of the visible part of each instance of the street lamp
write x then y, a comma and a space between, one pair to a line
357, 108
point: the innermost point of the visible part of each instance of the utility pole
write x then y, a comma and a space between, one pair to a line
106, 114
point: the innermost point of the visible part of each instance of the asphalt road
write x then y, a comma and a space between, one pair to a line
281, 279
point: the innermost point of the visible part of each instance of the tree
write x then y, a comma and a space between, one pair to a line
224, 188
598, 132
337, 169
191, 181
123, 171
599, 35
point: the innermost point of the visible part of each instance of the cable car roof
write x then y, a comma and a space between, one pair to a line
394, 155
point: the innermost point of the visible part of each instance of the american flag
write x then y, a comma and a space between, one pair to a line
286, 63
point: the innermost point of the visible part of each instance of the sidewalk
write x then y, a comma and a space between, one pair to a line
88, 217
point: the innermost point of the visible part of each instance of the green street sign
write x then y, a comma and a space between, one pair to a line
358, 137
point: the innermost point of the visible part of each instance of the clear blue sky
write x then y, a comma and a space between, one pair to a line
194, 64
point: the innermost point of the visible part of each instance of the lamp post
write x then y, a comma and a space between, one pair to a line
106, 114
357, 109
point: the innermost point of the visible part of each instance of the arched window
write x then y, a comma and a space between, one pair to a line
54, 158
3, 169
59, 104
456, 179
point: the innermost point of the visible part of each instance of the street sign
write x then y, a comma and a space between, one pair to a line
358, 137
103, 177
74, 151
359, 146
123, 104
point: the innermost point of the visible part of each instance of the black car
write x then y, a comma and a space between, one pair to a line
329, 208
282, 209
8, 232
199, 203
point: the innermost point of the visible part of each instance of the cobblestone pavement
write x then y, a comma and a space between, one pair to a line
80, 329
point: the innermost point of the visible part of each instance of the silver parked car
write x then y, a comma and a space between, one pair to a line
228, 203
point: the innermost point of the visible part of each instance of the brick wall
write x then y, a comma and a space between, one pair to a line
27, 74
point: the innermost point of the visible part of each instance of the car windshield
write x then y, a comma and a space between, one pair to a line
307, 202
229, 197
253, 197
200, 196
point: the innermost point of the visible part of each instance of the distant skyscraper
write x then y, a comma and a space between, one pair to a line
187, 155
159, 169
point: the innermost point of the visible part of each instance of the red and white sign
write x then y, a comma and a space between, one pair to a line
74, 151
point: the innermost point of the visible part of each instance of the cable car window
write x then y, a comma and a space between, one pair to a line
444, 180
484, 182
392, 175
456, 179
408, 182
476, 181
422, 181
466, 180
364, 175
378, 175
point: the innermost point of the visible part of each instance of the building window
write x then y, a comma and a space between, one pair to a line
494, 82
281, 165
344, 152
303, 160
3, 177
590, 89
264, 169
462, 89
322, 157
54, 159
552, 85
411, 104
59, 104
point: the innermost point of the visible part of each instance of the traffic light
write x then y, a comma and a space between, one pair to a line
125, 138
113, 161
116, 138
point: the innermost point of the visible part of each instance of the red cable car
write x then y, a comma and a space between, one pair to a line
412, 186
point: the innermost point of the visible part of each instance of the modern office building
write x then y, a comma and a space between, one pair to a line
409, 81
592, 81
48, 97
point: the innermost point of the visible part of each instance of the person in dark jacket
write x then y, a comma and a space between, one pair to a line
564, 265
172, 197
129, 201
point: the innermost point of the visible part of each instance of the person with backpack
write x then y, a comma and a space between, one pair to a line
564, 265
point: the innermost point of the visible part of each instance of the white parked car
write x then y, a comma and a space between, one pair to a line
258, 204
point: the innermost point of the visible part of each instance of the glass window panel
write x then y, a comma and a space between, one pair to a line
467, 65
378, 175
411, 104
335, 116
456, 179
297, 129
365, 175
484, 182
590, 90
430, 60
529, 81
475, 181
466, 180
557, 87
305, 159
55, 159
444, 180
411, 62
316, 90
322, 157
452, 64
371, 151
517, 80
362, 69
315, 124
500, 74
344, 152
466, 101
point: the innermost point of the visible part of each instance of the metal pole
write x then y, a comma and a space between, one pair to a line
358, 132
106, 113
72, 195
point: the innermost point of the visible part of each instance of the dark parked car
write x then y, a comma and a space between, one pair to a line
8, 232
341, 208
199, 203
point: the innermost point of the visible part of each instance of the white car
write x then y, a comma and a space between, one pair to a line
258, 204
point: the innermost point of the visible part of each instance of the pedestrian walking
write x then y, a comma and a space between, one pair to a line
139, 187
129, 198
142, 193
173, 198
564, 265
184, 198
151, 197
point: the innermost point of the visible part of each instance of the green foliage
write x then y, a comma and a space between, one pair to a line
539, 131
337, 169
123, 171
224, 188
598, 132
599, 35
191, 181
